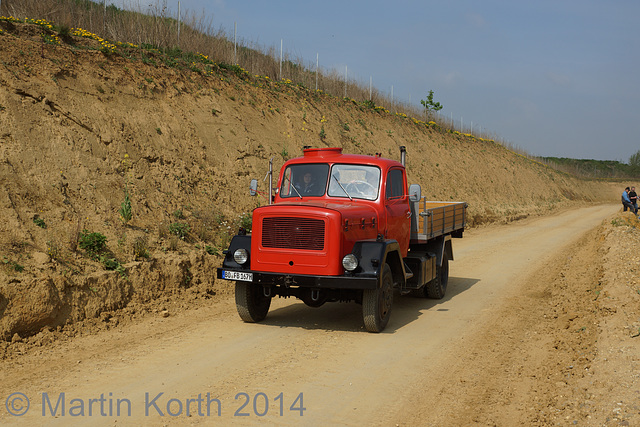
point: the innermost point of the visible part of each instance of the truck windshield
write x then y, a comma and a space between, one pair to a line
309, 180
354, 181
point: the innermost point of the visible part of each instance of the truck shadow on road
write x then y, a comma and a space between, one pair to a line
348, 316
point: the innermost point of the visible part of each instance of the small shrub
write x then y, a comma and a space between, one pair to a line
180, 229
122, 241
173, 243
323, 134
112, 264
212, 250
203, 230
39, 222
140, 248
53, 251
369, 104
12, 265
93, 243
125, 208
246, 221
64, 30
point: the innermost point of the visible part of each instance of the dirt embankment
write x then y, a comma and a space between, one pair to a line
80, 129
560, 351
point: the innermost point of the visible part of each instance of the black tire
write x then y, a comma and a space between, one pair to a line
377, 303
251, 303
437, 287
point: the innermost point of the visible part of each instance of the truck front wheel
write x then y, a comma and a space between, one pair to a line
251, 303
377, 303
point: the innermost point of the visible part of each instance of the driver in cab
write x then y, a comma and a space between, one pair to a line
308, 187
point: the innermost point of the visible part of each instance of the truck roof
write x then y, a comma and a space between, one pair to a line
334, 155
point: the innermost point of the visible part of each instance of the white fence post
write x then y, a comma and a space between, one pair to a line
280, 59
178, 24
391, 96
345, 81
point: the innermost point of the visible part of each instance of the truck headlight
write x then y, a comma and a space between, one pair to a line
241, 256
350, 262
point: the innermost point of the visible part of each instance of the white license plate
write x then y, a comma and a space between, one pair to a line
237, 275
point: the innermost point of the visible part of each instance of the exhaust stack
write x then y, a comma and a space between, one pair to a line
403, 155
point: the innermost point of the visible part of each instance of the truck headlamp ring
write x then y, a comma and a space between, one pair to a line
241, 256
350, 262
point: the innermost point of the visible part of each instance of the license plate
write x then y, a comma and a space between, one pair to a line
237, 275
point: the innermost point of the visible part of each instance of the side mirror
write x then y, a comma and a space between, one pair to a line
415, 193
253, 187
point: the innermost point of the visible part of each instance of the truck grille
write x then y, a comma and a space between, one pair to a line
293, 233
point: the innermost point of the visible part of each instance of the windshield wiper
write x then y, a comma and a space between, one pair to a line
343, 189
293, 186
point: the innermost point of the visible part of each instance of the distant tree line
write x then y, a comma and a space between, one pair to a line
590, 168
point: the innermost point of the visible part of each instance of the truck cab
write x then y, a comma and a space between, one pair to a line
339, 228
325, 203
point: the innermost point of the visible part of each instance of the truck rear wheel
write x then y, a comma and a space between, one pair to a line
251, 303
377, 303
437, 287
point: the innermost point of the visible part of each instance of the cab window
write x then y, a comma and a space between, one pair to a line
395, 184
354, 181
304, 180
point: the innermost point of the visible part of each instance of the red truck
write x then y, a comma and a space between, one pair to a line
343, 227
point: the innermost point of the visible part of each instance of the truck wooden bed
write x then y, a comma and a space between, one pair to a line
431, 219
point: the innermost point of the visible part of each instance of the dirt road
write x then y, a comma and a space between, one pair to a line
450, 362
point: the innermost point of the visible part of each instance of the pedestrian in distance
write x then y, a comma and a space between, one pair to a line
626, 201
634, 199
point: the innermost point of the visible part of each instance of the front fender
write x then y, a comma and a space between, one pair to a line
238, 241
373, 254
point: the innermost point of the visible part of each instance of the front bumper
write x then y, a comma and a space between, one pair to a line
307, 281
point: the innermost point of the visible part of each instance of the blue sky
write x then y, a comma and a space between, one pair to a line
553, 77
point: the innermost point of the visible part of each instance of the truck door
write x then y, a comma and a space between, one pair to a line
396, 203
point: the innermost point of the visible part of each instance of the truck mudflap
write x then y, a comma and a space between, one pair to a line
298, 280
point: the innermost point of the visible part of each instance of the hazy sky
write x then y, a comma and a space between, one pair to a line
553, 77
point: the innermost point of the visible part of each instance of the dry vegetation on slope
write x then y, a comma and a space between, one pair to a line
78, 127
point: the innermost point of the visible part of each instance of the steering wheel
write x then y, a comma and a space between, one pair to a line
361, 187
